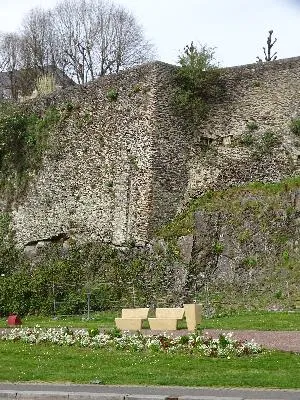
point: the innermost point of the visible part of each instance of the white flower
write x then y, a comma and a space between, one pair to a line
224, 346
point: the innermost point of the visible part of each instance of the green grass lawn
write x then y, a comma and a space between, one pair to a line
260, 320
21, 362
105, 319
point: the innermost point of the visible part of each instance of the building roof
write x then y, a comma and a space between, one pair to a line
61, 79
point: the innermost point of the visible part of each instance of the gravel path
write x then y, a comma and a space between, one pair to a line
281, 340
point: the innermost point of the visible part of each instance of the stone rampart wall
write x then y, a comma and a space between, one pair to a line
265, 95
95, 182
116, 170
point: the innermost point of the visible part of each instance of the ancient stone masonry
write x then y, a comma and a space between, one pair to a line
124, 162
260, 102
95, 181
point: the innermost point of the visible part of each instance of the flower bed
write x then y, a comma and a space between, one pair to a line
223, 346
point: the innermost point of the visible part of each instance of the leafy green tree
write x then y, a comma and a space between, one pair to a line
198, 81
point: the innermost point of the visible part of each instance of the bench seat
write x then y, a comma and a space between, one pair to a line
132, 319
166, 319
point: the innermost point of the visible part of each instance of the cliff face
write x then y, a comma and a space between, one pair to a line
240, 246
122, 162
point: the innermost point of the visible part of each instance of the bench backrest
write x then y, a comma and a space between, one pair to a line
174, 313
135, 313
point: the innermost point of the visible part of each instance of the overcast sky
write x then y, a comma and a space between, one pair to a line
237, 28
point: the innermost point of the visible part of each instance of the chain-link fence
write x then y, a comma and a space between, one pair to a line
89, 300
105, 297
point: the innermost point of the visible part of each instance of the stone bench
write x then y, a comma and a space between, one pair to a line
166, 319
132, 319
193, 315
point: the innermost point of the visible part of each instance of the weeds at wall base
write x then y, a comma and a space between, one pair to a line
295, 126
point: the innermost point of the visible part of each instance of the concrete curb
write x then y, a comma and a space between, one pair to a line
44, 395
49, 395
35, 395
69, 391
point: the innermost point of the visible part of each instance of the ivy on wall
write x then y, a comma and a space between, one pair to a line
23, 138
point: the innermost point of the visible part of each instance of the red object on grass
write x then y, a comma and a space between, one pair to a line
13, 320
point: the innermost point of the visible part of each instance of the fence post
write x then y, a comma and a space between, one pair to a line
88, 304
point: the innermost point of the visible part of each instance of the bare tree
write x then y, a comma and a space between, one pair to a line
38, 48
129, 46
40, 44
83, 38
70, 38
99, 38
9, 51
267, 52
10, 59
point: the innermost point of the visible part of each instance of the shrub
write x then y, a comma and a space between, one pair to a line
247, 139
136, 88
112, 95
23, 138
244, 236
270, 139
198, 81
218, 248
58, 280
295, 126
256, 84
265, 145
249, 262
252, 126
46, 84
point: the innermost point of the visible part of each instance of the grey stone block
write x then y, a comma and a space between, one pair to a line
7, 394
185, 244
32, 395
208, 398
146, 397
96, 396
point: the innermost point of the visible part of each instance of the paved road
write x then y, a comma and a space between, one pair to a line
99, 392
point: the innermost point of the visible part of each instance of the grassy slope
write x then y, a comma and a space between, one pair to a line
260, 320
229, 201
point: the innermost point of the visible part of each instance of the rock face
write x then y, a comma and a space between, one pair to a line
243, 245
124, 163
